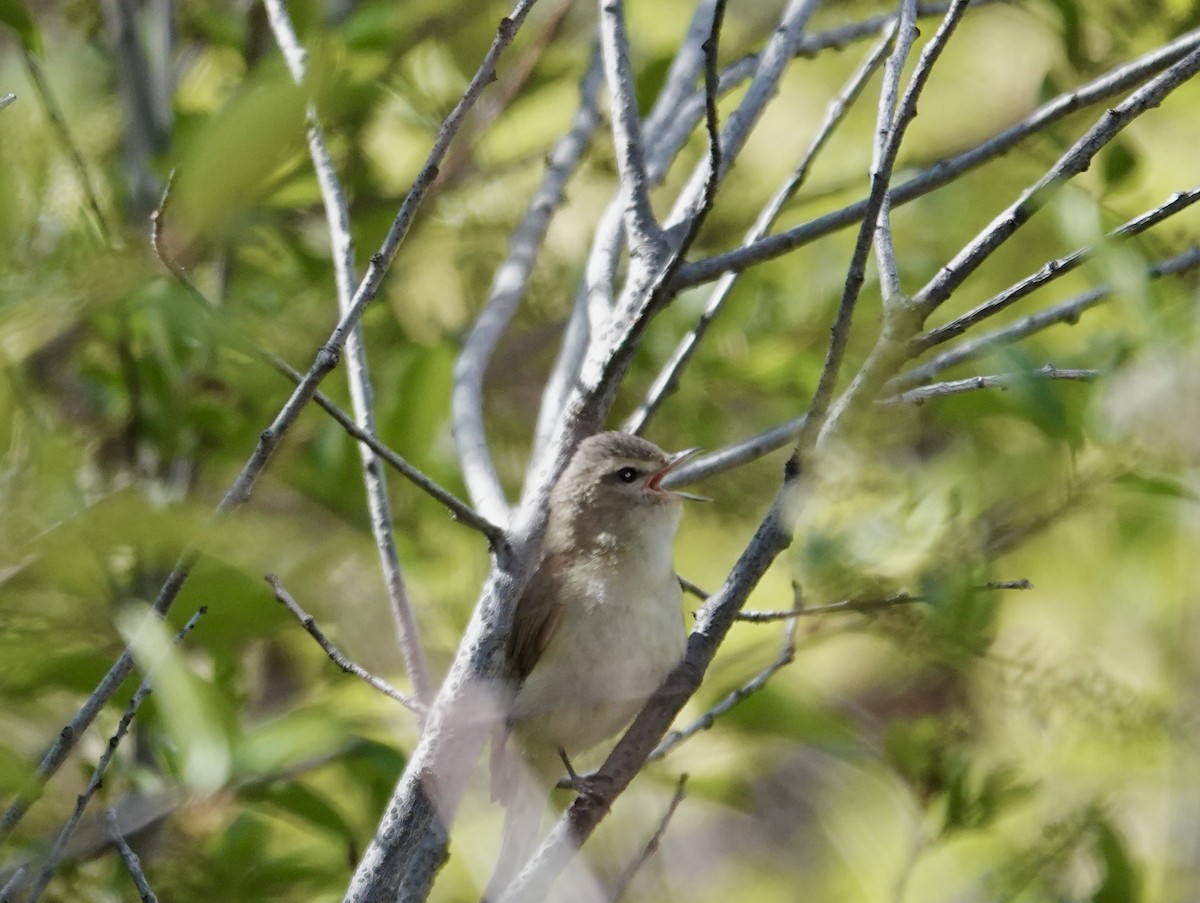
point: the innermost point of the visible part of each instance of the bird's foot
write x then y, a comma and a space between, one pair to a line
595, 786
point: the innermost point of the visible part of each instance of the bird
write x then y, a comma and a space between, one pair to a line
596, 630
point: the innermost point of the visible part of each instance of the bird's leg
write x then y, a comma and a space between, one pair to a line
596, 786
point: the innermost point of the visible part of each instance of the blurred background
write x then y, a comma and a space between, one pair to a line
1035, 744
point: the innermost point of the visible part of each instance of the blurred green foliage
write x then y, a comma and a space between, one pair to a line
1027, 746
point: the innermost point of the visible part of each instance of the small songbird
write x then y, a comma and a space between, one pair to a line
598, 627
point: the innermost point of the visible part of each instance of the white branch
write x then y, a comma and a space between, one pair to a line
337, 215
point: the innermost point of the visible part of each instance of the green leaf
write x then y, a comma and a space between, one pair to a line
305, 803
1121, 884
1161, 485
1118, 164
15, 15
184, 702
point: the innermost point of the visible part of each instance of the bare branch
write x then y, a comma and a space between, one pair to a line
1066, 312
887, 123
59, 124
64, 835
787, 655
6, 99
642, 229
738, 453
668, 378
14, 883
133, 864
820, 419
652, 845
771, 64
947, 170
1053, 270
1074, 161
1001, 381
594, 300
459, 509
242, 487
337, 215
284, 598
508, 287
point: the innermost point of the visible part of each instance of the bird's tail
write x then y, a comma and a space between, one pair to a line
525, 804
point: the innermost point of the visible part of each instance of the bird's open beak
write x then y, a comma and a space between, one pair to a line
674, 461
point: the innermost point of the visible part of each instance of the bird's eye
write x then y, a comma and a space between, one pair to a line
627, 474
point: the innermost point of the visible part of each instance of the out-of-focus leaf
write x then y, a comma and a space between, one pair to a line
1162, 485
374, 766
233, 164
1118, 163
183, 701
1072, 32
1121, 882
304, 803
15, 14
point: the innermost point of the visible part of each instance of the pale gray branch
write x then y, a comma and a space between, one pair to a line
822, 418
508, 287
284, 598
337, 215
764, 84
1053, 270
1001, 381
133, 864
1065, 312
787, 655
1076, 160
240, 490
947, 170
668, 378
887, 123
54, 857
642, 229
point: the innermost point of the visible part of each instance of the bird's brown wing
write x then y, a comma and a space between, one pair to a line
538, 613
537, 616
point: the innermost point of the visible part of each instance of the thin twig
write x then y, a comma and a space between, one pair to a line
901, 319
1113, 82
1067, 311
668, 378
459, 510
1074, 161
133, 865
770, 67
58, 123
594, 298
337, 215
284, 598
865, 605
6, 99
54, 857
491, 107
641, 228
1052, 270
887, 122
8, 893
787, 652
891, 130
787, 655
269, 440
692, 588
652, 844
508, 288
1001, 381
